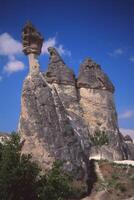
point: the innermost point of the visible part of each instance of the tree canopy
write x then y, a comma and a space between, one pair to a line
22, 179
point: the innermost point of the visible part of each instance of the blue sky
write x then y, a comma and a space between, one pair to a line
101, 29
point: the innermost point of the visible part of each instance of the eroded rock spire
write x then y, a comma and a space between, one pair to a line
58, 71
32, 43
92, 76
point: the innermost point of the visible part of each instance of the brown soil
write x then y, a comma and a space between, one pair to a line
118, 184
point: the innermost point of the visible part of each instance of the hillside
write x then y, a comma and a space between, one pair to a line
114, 182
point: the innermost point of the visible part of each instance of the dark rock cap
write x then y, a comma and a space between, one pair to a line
57, 71
92, 76
31, 39
128, 138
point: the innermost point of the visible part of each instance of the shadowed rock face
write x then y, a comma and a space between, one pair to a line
47, 130
31, 39
57, 71
57, 117
91, 76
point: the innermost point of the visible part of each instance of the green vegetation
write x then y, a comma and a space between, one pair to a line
22, 179
99, 139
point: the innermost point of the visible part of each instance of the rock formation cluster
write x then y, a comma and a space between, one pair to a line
60, 112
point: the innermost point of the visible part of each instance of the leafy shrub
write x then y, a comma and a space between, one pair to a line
17, 172
55, 184
21, 179
99, 138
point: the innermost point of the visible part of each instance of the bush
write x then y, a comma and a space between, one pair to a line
21, 179
55, 184
18, 173
100, 138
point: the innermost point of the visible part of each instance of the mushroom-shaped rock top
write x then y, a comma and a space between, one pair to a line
31, 39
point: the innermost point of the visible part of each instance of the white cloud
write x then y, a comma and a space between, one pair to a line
131, 58
116, 52
13, 66
63, 51
127, 114
127, 132
9, 46
52, 42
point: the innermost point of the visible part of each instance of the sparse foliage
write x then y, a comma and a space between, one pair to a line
99, 139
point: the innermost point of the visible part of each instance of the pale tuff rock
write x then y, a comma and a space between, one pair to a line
97, 103
99, 109
59, 112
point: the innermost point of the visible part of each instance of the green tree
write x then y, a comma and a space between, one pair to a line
55, 184
18, 174
22, 179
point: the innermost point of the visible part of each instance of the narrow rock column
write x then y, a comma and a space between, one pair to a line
32, 44
34, 67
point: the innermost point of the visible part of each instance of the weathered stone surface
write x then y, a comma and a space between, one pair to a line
32, 44
31, 39
57, 71
116, 150
47, 130
98, 108
99, 112
91, 76
131, 150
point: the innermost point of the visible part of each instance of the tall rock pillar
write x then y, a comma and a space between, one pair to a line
97, 101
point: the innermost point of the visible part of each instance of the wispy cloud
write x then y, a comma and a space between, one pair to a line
116, 52
131, 58
127, 132
52, 42
63, 51
127, 114
9, 46
13, 66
